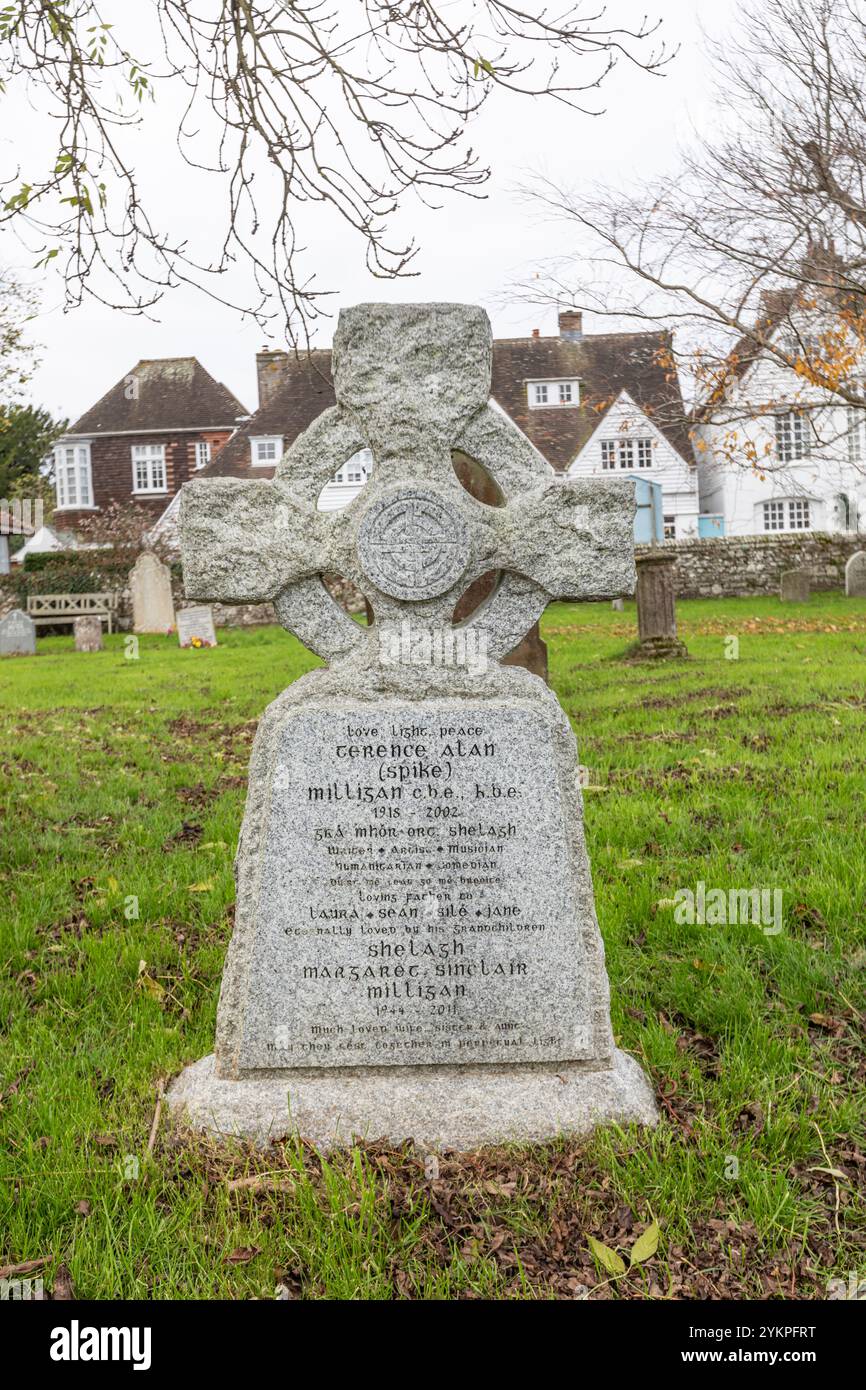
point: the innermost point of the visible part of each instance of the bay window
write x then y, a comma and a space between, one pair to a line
73, 480
787, 514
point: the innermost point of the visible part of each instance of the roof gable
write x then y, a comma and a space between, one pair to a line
300, 388
168, 393
605, 364
638, 419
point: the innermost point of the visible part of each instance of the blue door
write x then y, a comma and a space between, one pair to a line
649, 526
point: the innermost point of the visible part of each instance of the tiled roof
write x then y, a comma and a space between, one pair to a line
162, 394
295, 390
605, 364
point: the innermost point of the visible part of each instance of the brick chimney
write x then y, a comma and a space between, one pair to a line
270, 373
571, 325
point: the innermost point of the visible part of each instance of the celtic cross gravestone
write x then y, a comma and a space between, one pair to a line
416, 950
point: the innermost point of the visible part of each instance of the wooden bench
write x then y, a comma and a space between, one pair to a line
46, 610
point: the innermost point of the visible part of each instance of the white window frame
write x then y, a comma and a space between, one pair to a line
557, 393
773, 514
202, 453
356, 470
266, 450
793, 435
787, 514
799, 514
627, 451
669, 528
73, 477
645, 445
856, 419
148, 461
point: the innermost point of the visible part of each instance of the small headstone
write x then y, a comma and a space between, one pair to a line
17, 634
416, 949
88, 634
656, 609
617, 604
195, 627
855, 575
794, 586
150, 590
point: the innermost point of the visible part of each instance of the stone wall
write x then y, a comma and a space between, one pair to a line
742, 566
225, 615
727, 567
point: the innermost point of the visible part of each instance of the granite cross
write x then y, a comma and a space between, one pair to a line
416, 949
413, 385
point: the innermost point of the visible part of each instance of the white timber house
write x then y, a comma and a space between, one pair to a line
777, 453
627, 443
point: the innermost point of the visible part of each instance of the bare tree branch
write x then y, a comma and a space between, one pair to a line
756, 246
290, 104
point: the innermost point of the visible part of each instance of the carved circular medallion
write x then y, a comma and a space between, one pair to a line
413, 545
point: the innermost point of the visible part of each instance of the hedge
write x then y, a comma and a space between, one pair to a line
71, 572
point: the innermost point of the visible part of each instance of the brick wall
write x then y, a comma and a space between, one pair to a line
742, 566
111, 470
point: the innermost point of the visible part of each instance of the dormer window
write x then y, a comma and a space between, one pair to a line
266, 449
551, 395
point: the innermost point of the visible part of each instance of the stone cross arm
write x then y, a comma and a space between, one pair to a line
244, 542
573, 537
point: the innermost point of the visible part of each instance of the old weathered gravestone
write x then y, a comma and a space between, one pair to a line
195, 627
855, 575
416, 950
88, 634
150, 588
794, 586
17, 634
656, 609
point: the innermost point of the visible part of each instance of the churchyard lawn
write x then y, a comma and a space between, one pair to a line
122, 791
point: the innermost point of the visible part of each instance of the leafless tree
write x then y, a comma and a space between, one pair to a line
353, 104
761, 229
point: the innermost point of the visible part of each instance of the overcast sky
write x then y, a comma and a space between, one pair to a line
471, 250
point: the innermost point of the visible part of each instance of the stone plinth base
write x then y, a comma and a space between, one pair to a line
659, 649
438, 1107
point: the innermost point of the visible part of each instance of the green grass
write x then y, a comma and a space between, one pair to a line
121, 796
